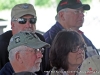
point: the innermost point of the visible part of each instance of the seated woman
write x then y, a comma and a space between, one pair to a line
66, 53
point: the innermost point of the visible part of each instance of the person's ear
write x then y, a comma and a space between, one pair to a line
12, 25
61, 15
18, 57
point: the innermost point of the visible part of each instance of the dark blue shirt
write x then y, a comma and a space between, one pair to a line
51, 33
7, 69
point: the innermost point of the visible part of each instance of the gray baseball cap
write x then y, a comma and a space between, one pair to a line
20, 10
28, 39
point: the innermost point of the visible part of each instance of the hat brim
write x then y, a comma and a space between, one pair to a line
85, 6
37, 44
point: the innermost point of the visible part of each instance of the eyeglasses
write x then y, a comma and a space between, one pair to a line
39, 50
77, 11
35, 50
83, 48
24, 20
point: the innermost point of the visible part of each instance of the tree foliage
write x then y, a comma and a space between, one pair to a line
8, 4
86, 1
48, 3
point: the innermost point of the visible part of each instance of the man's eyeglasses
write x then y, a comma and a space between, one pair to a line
76, 11
39, 50
24, 20
35, 50
83, 48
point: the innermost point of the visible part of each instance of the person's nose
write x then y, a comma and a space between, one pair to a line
81, 51
82, 14
39, 54
28, 24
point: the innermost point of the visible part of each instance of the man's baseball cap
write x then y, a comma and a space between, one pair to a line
20, 10
28, 39
90, 66
73, 4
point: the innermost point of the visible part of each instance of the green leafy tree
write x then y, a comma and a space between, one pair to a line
42, 3
86, 1
8, 4
48, 3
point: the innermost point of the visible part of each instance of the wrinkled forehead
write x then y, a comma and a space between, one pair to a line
26, 48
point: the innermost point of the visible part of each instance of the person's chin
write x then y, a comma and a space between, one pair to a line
80, 61
37, 64
35, 68
80, 24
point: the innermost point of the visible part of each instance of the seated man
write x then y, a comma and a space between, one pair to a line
25, 53
70, 15
23, 17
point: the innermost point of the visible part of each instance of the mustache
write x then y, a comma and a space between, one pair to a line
29, 29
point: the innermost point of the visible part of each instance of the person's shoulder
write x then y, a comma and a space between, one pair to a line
6, 36
41, 37
4, 39
53, 28
7, 69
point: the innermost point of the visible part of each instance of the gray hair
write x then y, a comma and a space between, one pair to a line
57, 16
13, 51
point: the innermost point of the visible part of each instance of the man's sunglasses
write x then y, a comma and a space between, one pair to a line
24, 20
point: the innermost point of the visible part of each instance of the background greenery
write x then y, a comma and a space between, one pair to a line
8, 4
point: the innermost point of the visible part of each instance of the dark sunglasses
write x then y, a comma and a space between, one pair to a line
24, 20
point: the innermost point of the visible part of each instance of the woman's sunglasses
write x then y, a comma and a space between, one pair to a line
24, 20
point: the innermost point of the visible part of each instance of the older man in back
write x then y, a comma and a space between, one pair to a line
25, 53
70, 15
